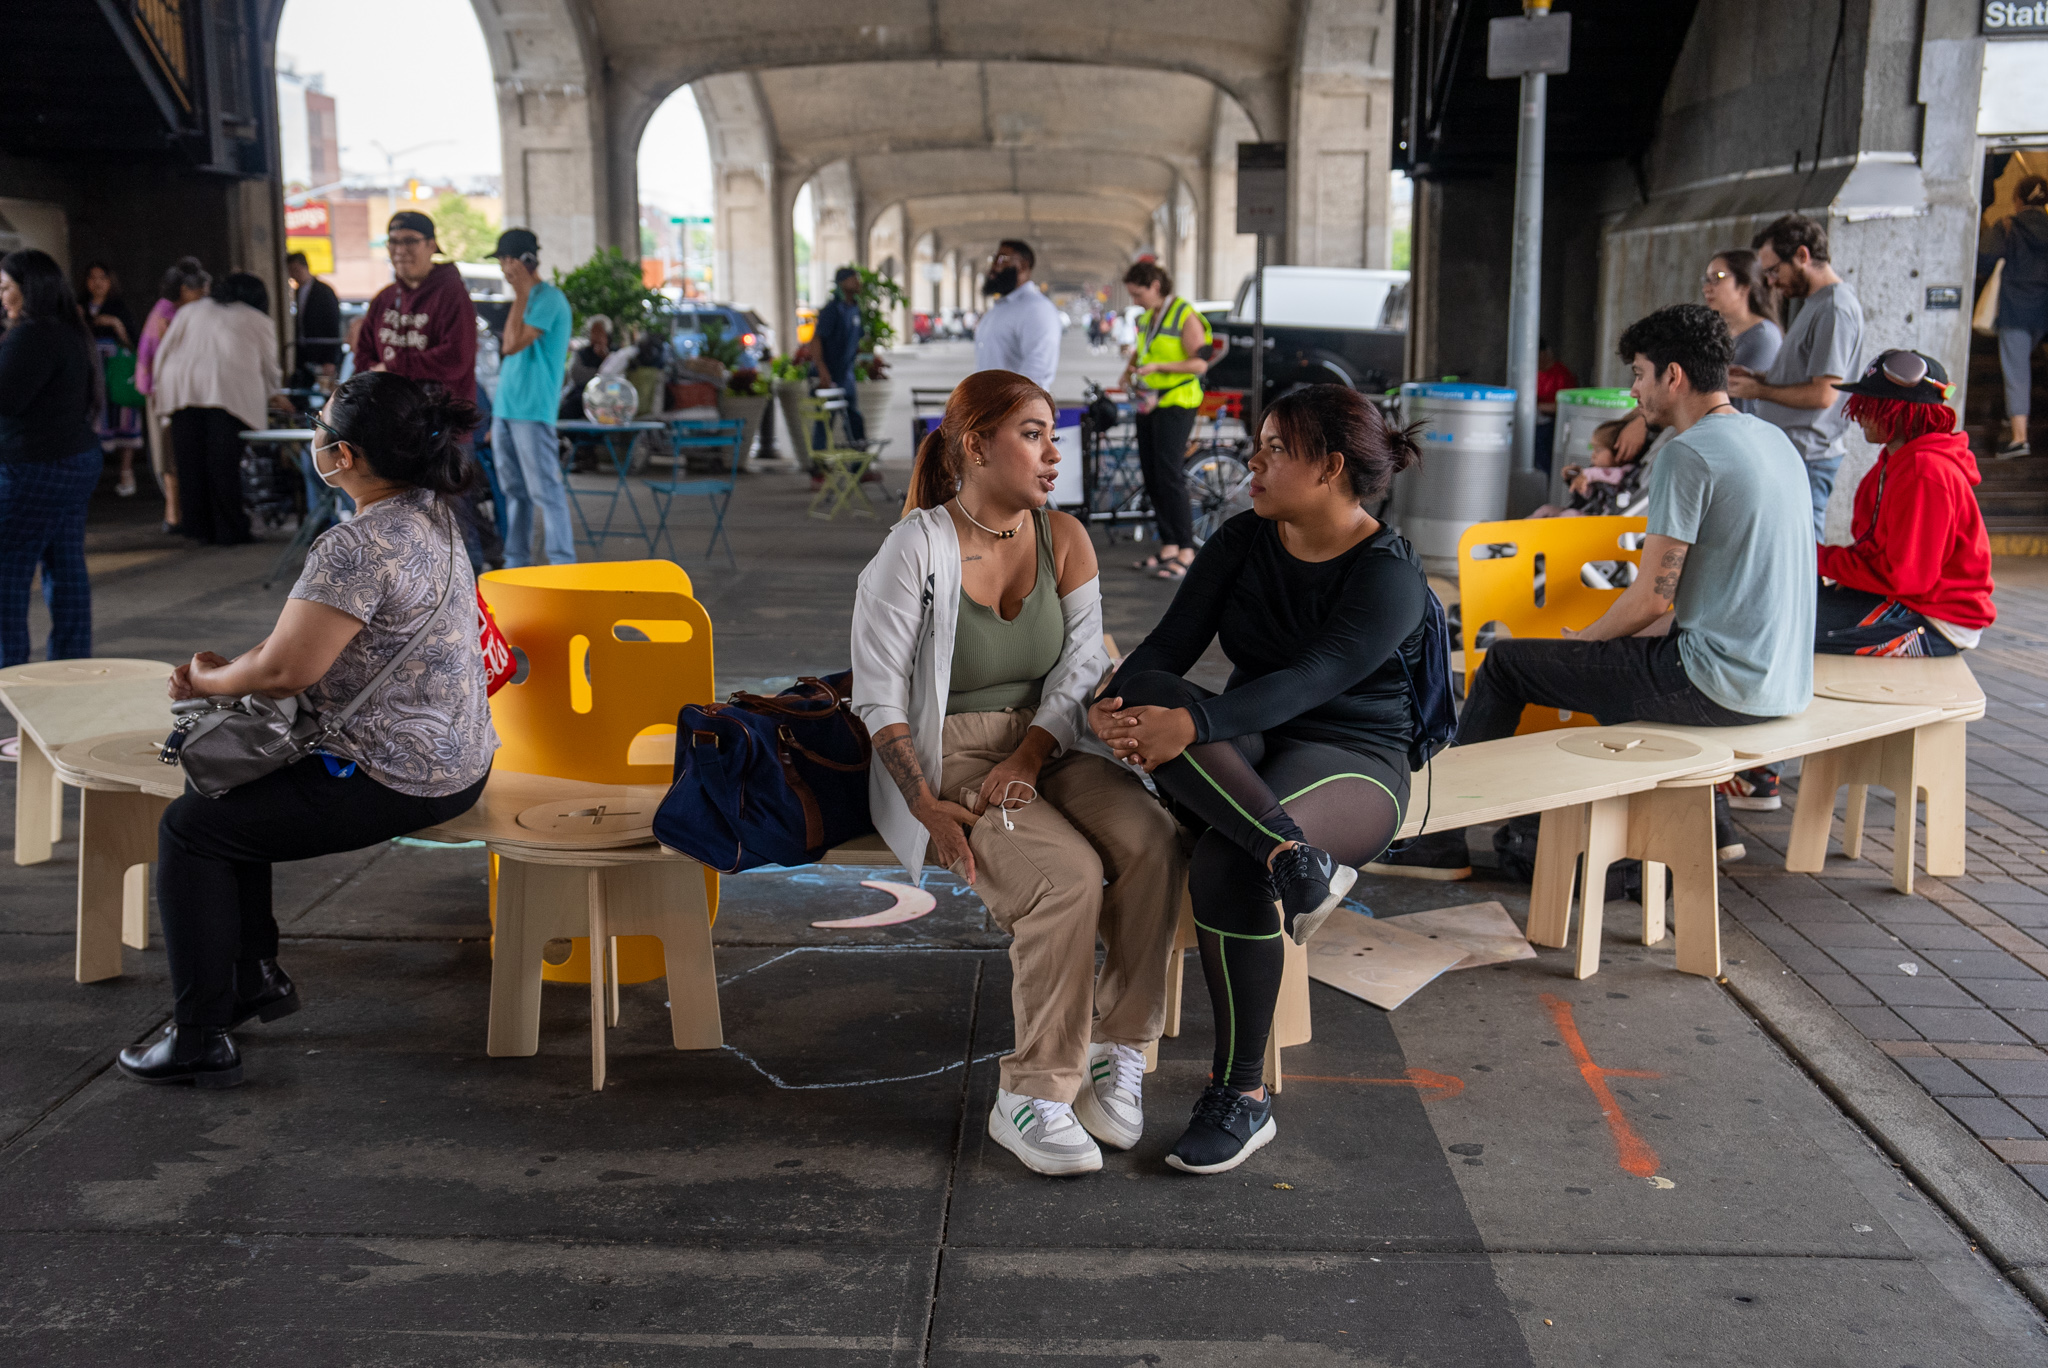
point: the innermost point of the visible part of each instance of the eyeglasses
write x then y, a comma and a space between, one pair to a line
317, 421
409, 240
1710, 277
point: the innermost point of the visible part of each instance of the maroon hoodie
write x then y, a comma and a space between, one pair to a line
425, 334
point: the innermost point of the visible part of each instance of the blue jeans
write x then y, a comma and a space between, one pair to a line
42, 521
529, 465
1820, 477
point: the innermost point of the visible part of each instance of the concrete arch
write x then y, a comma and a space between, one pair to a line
547, 63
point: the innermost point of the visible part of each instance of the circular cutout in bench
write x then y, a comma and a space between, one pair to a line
84, 671
1907, 693
1628, 744
613, 821
132, 748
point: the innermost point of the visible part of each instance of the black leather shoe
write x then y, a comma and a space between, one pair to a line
264, 995
204, 1056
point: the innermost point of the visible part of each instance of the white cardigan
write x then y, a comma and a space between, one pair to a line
904, 617
217, 355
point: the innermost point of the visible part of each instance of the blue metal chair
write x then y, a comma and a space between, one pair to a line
689, 435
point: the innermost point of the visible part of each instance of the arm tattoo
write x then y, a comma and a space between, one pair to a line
899, 756
1666, 583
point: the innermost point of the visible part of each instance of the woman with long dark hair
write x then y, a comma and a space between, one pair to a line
215, 376
50, 398
977, 639
1736, 288
1298, 771
417, 753
113, 334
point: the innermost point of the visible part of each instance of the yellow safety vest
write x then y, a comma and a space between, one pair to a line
1159, 342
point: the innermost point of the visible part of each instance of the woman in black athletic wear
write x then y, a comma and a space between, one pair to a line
1299, 767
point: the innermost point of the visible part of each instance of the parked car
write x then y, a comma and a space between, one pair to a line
685, 320
1324, 325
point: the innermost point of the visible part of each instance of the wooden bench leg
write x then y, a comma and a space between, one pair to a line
117, 833
38, 805
1653, 902
1852, 820
1183, 941
1941, 759
536, 903
1675, 827
1291, 1024
1813, 816
1607, 829
600, 959
667, 900
1560, 841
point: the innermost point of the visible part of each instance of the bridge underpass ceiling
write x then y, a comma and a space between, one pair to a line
653, 46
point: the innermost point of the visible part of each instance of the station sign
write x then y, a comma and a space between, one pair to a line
2013, 19
1262, 187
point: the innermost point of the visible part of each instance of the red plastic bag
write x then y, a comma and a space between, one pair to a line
498, 664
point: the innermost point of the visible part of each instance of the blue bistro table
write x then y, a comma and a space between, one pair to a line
617, 440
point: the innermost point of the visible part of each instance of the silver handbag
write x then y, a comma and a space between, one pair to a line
225, 742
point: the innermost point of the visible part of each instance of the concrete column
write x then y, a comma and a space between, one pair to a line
1338, 153
754, 250
551, 124
835, 203
1231, 254
888, 242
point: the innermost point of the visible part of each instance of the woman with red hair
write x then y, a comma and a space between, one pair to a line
1917, 579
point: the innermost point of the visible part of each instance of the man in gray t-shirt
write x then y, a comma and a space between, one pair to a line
1824, 344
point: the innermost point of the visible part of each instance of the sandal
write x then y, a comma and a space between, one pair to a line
1147, 564
1173, 570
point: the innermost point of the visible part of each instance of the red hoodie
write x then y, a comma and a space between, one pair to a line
426, 334
1919, 535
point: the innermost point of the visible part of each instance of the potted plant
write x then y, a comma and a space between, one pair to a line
878, 299
791, 382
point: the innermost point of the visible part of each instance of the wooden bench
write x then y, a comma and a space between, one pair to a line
56, 704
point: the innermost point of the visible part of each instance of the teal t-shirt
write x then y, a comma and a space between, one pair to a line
530, 380
1732, 487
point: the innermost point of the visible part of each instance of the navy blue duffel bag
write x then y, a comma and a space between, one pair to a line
762, 780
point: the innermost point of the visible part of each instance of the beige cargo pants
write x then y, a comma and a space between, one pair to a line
1044, 882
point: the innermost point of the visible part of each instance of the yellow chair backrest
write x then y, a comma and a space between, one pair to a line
612, 650
816, 414
1525, 575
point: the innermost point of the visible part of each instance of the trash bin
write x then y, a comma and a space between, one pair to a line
1467, 451
1579, 411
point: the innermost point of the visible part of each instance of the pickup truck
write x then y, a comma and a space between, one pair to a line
1324, 325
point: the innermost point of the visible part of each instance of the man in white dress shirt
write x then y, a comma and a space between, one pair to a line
1021, 330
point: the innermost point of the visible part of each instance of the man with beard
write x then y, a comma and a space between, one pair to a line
1822, 346
1021, 330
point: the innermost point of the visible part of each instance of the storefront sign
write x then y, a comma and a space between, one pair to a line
306, 220
2014, 19
319, 252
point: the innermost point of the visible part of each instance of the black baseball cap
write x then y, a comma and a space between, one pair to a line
1909, 376
413, 219
515, 242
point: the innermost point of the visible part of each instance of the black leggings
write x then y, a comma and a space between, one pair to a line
213, 858
1162, 458
1244, 797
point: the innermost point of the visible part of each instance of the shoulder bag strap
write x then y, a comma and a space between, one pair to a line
340, 719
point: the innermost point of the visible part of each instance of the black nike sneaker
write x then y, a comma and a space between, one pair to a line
1309, 884
1228, 1127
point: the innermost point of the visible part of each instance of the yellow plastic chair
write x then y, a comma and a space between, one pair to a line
610, 652
1499, 567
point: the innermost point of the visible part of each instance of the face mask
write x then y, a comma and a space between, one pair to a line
330, 478
1000, 282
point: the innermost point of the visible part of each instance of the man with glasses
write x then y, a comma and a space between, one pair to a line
422, 325
1021, 330
1823, 345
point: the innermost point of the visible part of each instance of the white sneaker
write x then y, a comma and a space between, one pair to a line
1111, 1106
1043, 1134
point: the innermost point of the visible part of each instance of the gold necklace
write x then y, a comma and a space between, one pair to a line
999, 536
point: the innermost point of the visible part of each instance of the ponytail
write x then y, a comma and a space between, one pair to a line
409, 433
978, 404
1318, 419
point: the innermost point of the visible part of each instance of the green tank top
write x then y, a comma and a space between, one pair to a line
998, 664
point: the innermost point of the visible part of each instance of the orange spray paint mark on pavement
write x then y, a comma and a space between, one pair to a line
1634, 1152
1425, 1081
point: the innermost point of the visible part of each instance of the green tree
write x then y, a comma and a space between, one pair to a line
609, 284
463, 230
